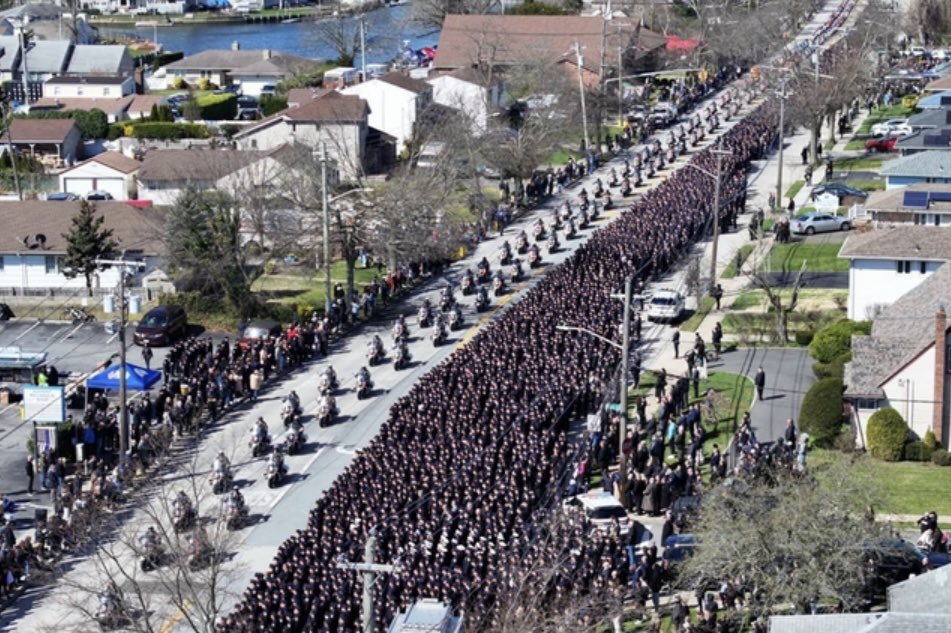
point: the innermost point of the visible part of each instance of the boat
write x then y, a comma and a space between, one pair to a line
290, 21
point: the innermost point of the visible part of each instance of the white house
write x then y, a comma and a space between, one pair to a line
332, 120
396, 102
886, 263
164, 174
65, 86
462, 90
922, 203
111, 172
251, 69
32, 245
903, 363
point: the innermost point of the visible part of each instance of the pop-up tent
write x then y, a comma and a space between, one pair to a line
136, 378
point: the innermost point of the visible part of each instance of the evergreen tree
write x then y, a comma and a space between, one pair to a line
87, 241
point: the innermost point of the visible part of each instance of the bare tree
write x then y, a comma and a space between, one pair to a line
782, 299
929, 19
433, 12
795, 540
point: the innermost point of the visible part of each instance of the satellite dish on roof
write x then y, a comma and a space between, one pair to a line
40, 240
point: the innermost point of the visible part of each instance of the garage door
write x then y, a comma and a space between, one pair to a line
82, 186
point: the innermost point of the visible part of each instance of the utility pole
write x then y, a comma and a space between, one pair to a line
8, 117
325, 204
122, 264
369, 568
24, 41
584, 109
363, 48
625, 371
716, 214
782, 130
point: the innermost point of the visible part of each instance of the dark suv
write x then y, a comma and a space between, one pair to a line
160, 326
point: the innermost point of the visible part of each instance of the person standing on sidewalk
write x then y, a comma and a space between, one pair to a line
760, 381
717, 295
717, 338
147, 356
675, 339
30, 473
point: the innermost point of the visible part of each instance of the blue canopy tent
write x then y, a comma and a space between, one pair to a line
136, 378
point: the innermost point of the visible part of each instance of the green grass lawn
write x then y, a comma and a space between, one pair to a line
795, 188
303, 285
691, 324
905, 487
736, 263
753, 328
855, 144
867, 185
818, 257
560, 157
860, 163
747, 300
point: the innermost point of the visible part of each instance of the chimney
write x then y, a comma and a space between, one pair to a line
235, 46
940, 373
266, 53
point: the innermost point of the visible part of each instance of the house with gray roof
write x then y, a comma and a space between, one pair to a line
927, 166
100, 60
940, 117
936, 138
887, 262
924, 203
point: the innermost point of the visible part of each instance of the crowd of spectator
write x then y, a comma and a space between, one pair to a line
466, 462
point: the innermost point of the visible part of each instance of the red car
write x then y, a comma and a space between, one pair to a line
884, 144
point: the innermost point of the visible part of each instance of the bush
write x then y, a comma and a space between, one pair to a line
218, 107
821, 413
179, 83
205, 84
941, 457
834, 369
887, 434
918, 452
930, 440
167, 131
270, 104
167, 58
93, 124
835, 339
804, 337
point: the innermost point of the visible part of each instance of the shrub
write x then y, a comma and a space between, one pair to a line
218, 107
93, 124
887, 434
270, 104
835, 339
205, 84
834, 369
930, 440
918, 452
804, 337
167, 58
179, 83
941, 457
821, 413
168, 131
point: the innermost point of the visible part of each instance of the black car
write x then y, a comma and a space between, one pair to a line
161, 325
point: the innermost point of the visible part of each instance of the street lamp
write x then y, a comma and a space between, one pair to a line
584, 110
625, 348
716, 203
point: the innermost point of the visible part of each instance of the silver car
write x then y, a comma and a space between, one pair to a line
812, 223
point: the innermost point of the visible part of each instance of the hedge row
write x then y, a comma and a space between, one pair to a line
218, 107
834, 340
93, 124
158, 130
821, 412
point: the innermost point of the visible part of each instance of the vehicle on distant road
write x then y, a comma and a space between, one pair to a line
258, 331
161, 326
99, 195
891, 126
62, 196
812, 223
665, 305
601, 509
884, 144
18, 367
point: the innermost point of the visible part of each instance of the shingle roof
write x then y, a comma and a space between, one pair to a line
927, 139
144, 103
838, 622
278, 65
920, 243
40, 130
117, 161
98, 59
405, 82
198, 165
232, 61
931, 118
297, 96
892, 199
134, 228
910, 623
939, 85
109, 106
899, 333
93, 80
931, 164
466, 40
925, 593
332, 107
10, 46
47, 56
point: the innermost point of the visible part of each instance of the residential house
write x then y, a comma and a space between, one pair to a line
111, 172
463, 91
921, 604
48, 21
887, 263
115, 109
935, 101
927, 119
55, 140
925, 139
32, 245
939, 85
930, 166
46, 59
65, 86
396, 102
251, 69
334, 121
542, 40
170, 7
100, 60
915, 204
141, 106
164, 174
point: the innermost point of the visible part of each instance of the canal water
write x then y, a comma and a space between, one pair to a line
387, 30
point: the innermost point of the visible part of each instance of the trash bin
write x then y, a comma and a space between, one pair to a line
108, 304
135, 304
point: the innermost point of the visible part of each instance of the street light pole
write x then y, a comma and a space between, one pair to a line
716, 203
782, 131
325, 204
584, 109
625, 371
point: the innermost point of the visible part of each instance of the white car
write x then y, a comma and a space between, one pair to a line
665, 305
892, 127
601, 509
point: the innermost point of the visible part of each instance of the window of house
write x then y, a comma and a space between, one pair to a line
79, 90
52, 264
937, 219
105, 91
922, 267
903, 267
1, 262
254, 143
56, 91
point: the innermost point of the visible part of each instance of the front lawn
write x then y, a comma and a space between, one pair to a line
859, 163
867, 185
795, 188
818, 257
905, 487
736, 262
303, 286
706, 305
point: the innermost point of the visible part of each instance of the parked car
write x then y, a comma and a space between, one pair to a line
258, 330
62, 196
161, 326
247, 101
890, 127
99, 195
665, 305
663, 113
812, 223
601, 508
248, 114
892, 561
884, 144
268, 90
